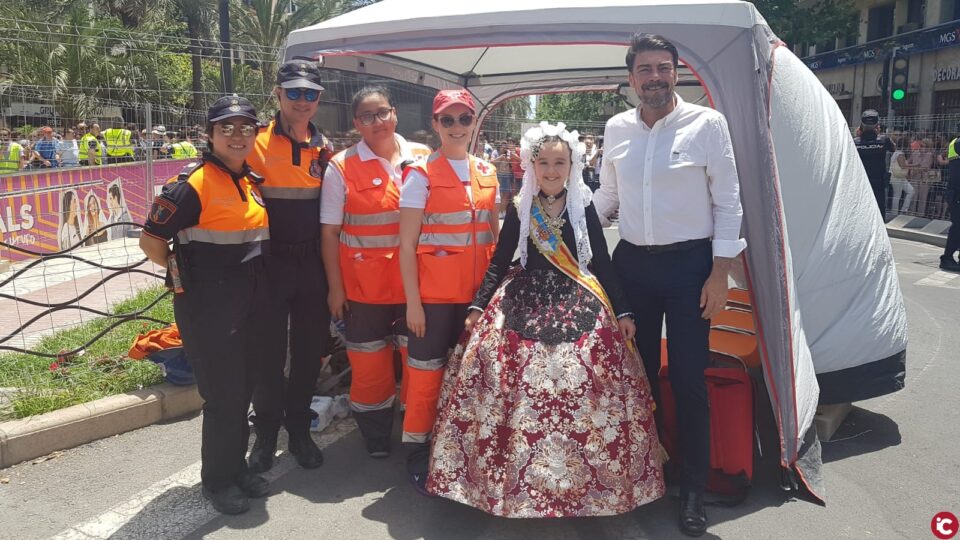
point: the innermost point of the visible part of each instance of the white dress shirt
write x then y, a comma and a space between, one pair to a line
333, 191
673, 182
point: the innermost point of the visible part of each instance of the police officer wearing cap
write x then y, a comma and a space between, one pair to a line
292, 155
215, 215
873, 147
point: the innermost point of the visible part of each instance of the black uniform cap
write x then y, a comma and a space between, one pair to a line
870, 117
230, 106
299, 74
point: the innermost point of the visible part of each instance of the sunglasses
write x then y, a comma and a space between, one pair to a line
466, 120
368, 118
308, 94
246, 130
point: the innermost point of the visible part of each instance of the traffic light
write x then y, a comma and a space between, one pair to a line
898, 80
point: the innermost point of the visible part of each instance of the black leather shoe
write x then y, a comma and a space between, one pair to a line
378, 447
693, 518
306, 452
229, 500
254, 485
261, 456
948, 264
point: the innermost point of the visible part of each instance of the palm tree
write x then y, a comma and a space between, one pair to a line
263, 26
200, 16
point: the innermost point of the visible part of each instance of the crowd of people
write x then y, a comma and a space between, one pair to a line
86, 144
528, 386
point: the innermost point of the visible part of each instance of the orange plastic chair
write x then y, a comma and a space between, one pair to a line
735, 319
734, 343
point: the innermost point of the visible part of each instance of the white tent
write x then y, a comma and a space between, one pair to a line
820, 266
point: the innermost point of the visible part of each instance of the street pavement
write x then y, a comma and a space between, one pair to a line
892, 466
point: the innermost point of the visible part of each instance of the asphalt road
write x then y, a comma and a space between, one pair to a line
893, 465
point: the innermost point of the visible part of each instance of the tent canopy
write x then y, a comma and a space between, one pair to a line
521, 47
808, 222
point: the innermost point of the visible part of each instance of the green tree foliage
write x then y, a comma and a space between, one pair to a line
809, 22
580, 107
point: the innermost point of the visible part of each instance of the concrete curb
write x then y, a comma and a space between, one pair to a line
40, 435
916, 235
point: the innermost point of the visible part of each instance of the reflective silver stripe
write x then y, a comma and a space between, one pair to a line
272, 192
367, 346
432, 364
378, 241
196, 234
363, 407
400, 341
447, 218
485, 237
483, 215
446, 239
415, 437
380, 218
350, 152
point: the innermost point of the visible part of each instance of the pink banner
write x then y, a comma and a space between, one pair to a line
53, 209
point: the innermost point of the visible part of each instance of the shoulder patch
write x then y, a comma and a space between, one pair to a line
163, 209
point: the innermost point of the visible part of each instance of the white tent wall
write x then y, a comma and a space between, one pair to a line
846, 281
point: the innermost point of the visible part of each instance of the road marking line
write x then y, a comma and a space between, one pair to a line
937, 279
174, 507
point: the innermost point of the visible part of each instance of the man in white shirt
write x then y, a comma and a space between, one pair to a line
669, 167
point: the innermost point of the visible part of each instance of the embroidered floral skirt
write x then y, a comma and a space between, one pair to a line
553, 427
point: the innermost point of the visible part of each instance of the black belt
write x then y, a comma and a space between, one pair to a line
299, 249
676, 246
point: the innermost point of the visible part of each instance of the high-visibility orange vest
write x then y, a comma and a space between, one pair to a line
456, 241
370, 236
232, 227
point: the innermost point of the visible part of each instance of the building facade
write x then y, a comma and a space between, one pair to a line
926, 32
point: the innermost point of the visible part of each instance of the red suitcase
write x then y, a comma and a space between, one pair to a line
731, 394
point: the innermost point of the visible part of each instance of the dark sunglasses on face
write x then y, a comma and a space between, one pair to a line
465, 120
368, 118
246, 130
308, 94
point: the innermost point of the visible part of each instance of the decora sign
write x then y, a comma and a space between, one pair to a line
951, 73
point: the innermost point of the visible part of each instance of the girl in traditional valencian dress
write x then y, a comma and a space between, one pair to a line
545, 410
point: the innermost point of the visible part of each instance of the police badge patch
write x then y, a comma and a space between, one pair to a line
257, 197
316, 168
162, 211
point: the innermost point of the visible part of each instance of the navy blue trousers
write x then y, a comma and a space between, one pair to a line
669, 284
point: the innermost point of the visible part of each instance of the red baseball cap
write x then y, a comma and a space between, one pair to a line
46, 129
446, 98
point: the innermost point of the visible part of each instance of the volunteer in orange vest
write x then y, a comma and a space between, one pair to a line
216, 217
360, 216
448, 229
292, 154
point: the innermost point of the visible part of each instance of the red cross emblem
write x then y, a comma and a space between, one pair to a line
483, 168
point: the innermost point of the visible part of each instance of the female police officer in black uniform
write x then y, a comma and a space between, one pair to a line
215, 215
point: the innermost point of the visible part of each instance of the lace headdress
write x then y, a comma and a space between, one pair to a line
578, 194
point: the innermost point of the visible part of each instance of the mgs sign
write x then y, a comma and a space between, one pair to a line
948, 38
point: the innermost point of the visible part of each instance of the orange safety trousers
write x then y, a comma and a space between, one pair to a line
373, 381
422, 397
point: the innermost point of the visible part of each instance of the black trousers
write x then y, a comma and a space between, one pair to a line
218, 321
879, 187
367, 323
298, 321
669, 284
953, 237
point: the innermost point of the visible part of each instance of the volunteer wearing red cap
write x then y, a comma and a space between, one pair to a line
216, 217
448, 230
291, 154
360, 216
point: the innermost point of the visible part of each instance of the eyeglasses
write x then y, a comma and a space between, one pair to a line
246, 130
465, 120
308, 94
368, 118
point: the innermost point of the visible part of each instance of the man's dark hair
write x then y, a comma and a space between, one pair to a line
366, 92
642, 42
